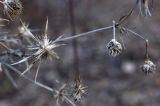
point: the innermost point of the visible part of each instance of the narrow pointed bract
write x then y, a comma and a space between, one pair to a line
144, 7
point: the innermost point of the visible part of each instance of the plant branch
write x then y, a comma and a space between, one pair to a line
147, 57
27, 78
134, 33
83, 34
114, 30
74, 43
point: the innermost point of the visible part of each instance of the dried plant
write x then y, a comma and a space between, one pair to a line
44, 49
39, 49
144, 7
12, 8
114, 48
79, 91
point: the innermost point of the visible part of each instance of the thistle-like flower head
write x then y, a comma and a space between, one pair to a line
148, 67
46, 46
79, 91
45, 49
114, 48
12, 8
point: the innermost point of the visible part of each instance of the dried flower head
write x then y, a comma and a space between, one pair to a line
144, 7
42, 50
46, 46
45, 49
114, 48
148, 67
12, 8
79, 91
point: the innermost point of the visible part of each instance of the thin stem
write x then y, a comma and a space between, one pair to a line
124, 18
37, 70
5, 47
29, 67
114, 30
147, 57
10, 78
74, 43
134, 33
27, 78
83, 34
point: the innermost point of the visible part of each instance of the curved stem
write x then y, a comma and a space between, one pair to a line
37, 71
124, 18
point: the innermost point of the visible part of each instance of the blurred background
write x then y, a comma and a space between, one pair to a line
111, 81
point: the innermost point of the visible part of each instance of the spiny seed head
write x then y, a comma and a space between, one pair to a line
46, 49
45, 46
148, 67
114, 48
79, 91
12, 8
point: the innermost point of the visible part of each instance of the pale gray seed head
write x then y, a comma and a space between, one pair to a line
114, 48
148, 67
